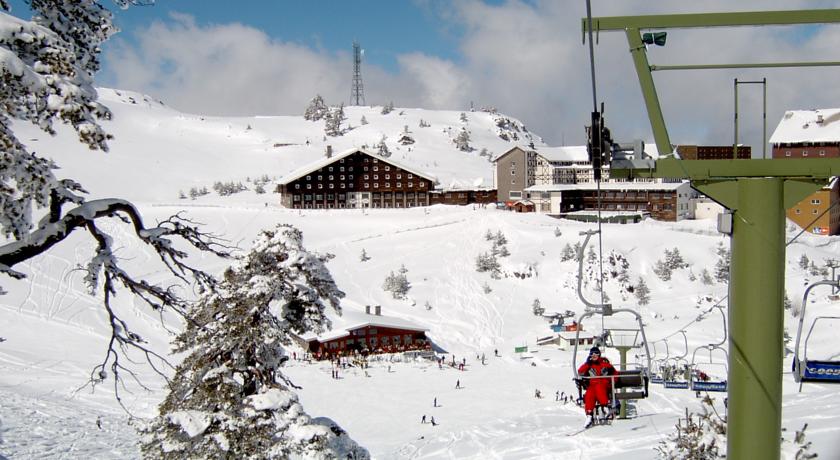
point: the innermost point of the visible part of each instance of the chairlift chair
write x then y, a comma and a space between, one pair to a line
708, 385
675, 362
811, 370
628, 384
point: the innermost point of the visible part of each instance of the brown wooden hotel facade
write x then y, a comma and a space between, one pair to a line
355, 179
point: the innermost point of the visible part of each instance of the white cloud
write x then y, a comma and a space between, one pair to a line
526, 59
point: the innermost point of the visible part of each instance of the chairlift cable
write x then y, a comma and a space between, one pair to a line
597, 179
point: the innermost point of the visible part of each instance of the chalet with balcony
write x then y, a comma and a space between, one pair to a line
366, 333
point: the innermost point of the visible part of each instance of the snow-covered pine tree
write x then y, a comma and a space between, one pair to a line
229, 398
397, 284
333, 120
46, 78
364, 256
316, 109
489, 236
722, 264
462, 141
363, 121
382, 147
642, 292
558, 232
674, 259
537, 308
567, 254
463, 117
662, 270
706, 277
804, 262
487, 262
388, 108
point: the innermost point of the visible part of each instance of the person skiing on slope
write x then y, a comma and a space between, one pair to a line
597, 389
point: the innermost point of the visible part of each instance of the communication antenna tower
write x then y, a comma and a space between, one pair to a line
357, 91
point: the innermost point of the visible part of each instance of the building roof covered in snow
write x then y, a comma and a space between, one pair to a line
351, 320
815, 125
316, 165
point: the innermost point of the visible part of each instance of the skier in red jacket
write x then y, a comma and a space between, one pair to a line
597, 389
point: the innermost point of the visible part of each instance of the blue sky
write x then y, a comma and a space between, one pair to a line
523, 57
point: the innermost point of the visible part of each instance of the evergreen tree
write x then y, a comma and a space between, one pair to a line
364, 256
722, 264
462, 141
804, 262
229, 398
316, 109
642, 292
567, 254
363, 121
500, 238
382, 147
486, 288
537, 308
662, 270
486, 262
332, 125
463, 117
397, 284
706, 277
557, 232
388, 108
591, 257
489, 236
427, 305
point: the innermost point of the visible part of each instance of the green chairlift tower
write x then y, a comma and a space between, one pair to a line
756, 193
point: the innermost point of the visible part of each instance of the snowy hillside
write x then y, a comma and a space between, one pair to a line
148, 133
54, 331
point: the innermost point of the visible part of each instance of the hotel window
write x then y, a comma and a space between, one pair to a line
815, 201
308, 186
342, 185
350, 177
422, 184
329, 196
399, 184
787, 153
822, 153
367, 185
513, 182
366, 177
296, 198
341, 177
307, 197
804, 153
376, 168
332, 185
387, 168
341, 169
798, 211
387, 184
350, 169
320, 177
387, 176
399, 176
331, 177
297, 186
410, 176
411, 185
376, 185
512, 172
365, 168
330, 168
375, 160
308, 177
320, 185
341, 160
814, 211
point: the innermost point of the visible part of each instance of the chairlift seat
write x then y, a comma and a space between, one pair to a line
658, 380
708, 386
630, 395
676, 384
629, 379
820, 371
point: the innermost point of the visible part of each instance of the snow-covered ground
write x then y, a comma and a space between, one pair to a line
54, 330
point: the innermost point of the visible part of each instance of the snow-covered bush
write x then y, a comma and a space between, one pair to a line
333, 120
229, 397
698, 436
228, 188
462, 141
567, 253
388, 108
382, 147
